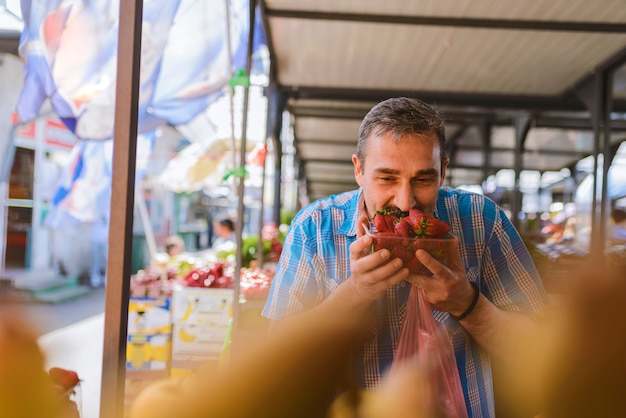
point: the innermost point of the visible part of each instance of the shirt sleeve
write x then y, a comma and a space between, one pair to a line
294, 287
511, 279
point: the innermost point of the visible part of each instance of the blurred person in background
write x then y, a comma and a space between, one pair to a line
224, 228
174, 245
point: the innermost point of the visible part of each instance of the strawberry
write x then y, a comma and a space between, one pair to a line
66, 378
425, 225
403, 233
436, 228
384, 222
403, 228
417, 218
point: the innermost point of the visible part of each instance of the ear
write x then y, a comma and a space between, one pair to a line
358, 170
443, 171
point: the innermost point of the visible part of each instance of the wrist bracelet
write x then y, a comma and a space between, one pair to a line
472, 305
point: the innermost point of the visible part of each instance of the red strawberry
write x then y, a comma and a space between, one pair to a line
384, 222
404, 229
417, 218
435, 228
66, 378
425, 225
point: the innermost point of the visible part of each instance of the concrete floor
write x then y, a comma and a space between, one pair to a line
52, 316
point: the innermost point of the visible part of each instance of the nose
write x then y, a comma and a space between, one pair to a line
405, 199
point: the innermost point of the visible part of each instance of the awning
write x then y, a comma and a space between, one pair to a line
484, 64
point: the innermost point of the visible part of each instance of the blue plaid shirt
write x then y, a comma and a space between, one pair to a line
316, 259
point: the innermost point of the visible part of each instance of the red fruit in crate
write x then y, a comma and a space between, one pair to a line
66, 378
196, 277
218, 269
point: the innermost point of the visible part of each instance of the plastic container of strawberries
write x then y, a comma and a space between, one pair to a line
405, 248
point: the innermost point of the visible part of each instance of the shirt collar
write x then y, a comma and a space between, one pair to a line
350, 224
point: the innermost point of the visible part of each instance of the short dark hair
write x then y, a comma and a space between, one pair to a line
401, 116
228, 223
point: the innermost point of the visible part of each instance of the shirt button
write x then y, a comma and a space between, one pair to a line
403, 284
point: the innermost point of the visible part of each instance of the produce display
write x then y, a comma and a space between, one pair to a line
213, 275
272, 238
404, 233
158, 279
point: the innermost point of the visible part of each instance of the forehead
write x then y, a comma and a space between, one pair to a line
412, 145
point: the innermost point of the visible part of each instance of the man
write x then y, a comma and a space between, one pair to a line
400, 163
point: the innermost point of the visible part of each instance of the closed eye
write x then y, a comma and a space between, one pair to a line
426, 180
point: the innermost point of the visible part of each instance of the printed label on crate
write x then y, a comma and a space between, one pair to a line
149, 316
148, 352
197, 342
202, 306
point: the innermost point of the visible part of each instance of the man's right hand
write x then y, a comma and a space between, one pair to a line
371, 274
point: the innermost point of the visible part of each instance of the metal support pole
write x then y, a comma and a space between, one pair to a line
607, 106
521, 124
279, 100
122, 204
597, 97
486, 141
241, 183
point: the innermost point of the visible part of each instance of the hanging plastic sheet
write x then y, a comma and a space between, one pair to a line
70, 53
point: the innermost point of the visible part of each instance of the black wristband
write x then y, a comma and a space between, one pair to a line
472, 305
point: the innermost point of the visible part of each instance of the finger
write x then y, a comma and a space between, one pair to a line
437, 268
378, 259
431, 263
389, 273
361, 246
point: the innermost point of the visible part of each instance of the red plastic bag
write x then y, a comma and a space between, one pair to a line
426, 342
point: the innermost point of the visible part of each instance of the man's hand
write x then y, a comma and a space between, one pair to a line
372, 274
447, 289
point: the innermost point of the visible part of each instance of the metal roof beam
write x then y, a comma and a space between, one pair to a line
575, 121
609, 65
476, 100
535, 25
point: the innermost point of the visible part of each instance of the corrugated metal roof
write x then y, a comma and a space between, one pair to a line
484, 63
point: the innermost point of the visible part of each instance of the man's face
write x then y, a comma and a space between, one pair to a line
404, 174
